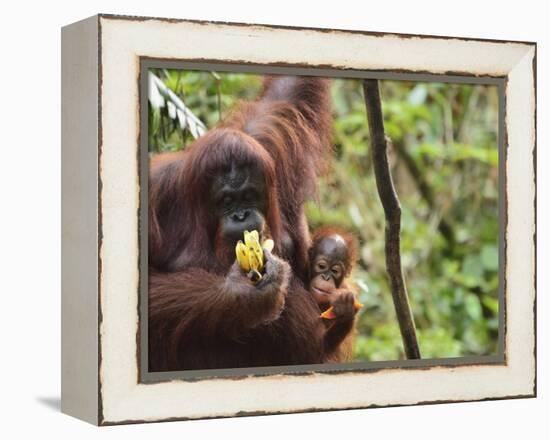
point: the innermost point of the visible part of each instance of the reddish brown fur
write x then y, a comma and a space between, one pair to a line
202, 312
181, 227
292, 120
339, 332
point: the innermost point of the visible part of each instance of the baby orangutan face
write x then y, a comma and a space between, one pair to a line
329, 265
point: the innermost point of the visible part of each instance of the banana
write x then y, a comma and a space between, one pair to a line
255, 260
255, 253
242, 256
250, 254
329, 313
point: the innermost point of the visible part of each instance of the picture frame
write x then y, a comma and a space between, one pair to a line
104, 216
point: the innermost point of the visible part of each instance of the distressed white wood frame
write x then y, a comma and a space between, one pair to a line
121, 398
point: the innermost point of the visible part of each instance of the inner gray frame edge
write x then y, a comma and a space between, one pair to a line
147, 377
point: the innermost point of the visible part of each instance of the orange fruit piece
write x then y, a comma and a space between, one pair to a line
329, 313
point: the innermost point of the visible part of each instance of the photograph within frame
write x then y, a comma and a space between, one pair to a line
370, 366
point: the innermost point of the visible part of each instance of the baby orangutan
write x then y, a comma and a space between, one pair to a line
332, 255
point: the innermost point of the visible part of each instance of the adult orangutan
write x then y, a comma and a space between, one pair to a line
253, 172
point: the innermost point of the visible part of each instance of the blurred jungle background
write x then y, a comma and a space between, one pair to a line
444, 161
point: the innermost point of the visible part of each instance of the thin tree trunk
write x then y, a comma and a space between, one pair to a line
392, 211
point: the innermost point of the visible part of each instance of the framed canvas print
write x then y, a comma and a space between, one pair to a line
262, 220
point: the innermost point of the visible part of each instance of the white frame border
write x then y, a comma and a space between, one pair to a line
122, 41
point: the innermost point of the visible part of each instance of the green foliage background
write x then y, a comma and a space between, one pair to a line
444, 162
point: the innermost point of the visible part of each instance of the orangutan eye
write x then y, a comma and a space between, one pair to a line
250, 196
321, 266
227, 200
336, 271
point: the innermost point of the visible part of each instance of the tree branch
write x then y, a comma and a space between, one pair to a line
392, 210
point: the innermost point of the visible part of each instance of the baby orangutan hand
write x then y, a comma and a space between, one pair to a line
343, 307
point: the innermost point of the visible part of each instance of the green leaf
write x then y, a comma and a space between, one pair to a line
489, 257
473, 306
472, 270
490, 303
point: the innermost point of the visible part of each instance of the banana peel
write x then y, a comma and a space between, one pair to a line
250, 254
329, 313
